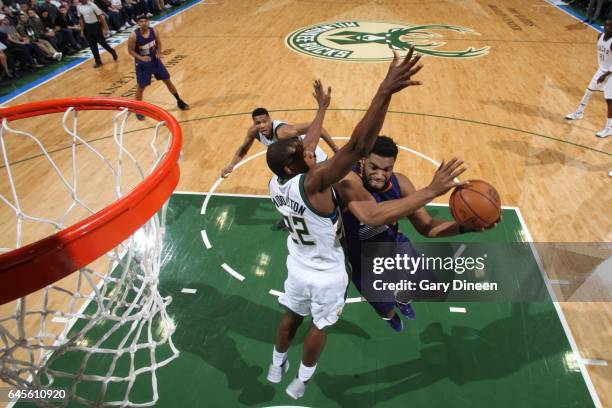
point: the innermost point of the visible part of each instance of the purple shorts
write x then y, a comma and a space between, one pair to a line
146, 69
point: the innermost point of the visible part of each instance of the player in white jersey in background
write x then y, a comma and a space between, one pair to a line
267, 131
302, 192
601, 80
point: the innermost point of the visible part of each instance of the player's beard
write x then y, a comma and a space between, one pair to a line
378, 187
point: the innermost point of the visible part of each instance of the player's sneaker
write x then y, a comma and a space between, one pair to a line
605, 132
574, 115
610, 173
182, 105
407, 310
396, 323
275, 373
296, 389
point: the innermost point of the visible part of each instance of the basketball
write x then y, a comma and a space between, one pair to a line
475, 205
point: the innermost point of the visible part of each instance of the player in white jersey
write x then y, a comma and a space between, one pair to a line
601, 80
302, 191
268, 131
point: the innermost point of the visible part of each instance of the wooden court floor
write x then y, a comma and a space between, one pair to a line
502, 111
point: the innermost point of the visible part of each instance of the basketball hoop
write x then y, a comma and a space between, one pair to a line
116, 250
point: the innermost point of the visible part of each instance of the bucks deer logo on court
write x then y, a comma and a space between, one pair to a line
372, 40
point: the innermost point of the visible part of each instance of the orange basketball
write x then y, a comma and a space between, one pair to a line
475, 205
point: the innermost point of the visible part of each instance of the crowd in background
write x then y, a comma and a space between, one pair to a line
594, 9
35, 34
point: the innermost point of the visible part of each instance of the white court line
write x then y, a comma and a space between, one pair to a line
232, 272
220, 179
559, 281
595, 362
354, 300
205, 239
566, 328
457, 309
59, 319
275, 292
189, 291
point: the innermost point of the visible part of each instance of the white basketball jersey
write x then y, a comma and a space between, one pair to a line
604, 56
314, 240
319, 153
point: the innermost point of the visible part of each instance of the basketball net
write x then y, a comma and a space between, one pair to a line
102, 332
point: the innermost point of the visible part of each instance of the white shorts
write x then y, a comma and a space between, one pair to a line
605, 86
319, 293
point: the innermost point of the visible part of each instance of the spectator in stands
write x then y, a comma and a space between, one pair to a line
17, 53
64, 38
17, 44
39, 30
4, 61
12, 16
50, 7
126, 10
114, 17
26, 29
65, 23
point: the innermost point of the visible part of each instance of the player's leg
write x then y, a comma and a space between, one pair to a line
593, 86
143, 79
607, 130
179, 102
297, 304
161, 73
327, 295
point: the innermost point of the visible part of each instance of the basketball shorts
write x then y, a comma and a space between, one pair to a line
314, 292
155, 68
605, 86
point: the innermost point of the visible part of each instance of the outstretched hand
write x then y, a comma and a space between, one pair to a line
400, 73
319, 94
444, 178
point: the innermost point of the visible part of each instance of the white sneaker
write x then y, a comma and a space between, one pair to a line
610, 173
605, 132
167, 6
275, 373
296, 389
149, 15
574, 115
57, 56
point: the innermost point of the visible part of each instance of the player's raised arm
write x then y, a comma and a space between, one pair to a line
241, 152
362, 140
314, 131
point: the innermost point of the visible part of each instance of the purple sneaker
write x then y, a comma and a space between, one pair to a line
396, 323
407, 310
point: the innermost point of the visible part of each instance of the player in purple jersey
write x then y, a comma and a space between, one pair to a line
365, 220
145, 46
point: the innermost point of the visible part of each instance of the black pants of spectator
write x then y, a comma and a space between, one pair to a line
81, 41
94, 36
37, 53
128, 13
18, 52
142, 7
115, 20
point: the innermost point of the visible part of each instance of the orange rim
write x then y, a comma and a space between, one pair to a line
36, 265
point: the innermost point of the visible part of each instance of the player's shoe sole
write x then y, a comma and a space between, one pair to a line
275, 373
296, 389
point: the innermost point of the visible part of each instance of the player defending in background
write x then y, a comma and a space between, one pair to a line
601, 80
144, 44
302, 192
267, 131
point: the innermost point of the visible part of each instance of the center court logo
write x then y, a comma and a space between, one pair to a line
372, 40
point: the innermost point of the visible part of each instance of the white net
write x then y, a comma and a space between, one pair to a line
100, 333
